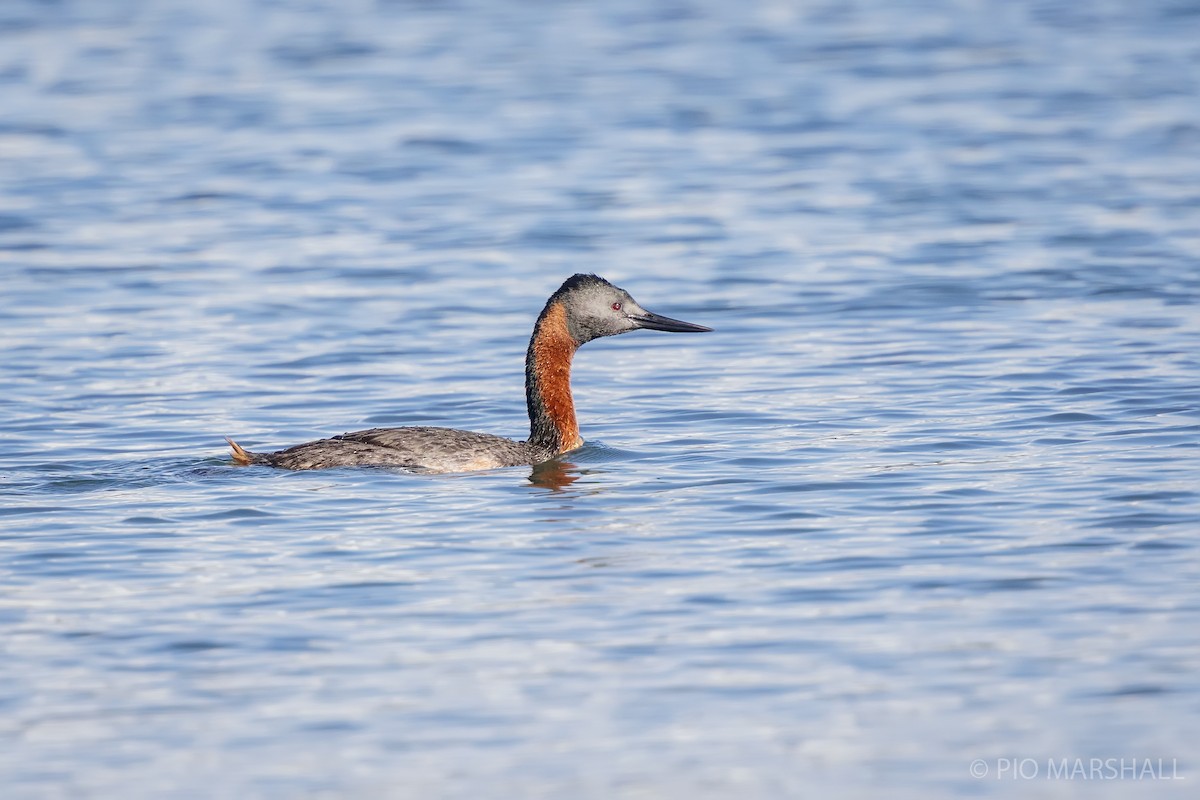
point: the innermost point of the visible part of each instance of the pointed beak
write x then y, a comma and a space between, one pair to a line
654, 322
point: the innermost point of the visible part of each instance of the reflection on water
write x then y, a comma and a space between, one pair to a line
927, 496
555, 475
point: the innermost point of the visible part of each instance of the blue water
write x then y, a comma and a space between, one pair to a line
929, 494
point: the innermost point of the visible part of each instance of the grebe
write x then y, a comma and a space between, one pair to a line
584, 308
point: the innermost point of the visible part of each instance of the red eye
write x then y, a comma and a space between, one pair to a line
616, 306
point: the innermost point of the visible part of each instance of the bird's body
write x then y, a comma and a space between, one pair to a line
585, 307
419, 448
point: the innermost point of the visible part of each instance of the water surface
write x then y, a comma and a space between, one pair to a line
927, 495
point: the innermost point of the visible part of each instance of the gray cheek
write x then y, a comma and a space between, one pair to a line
585, 330
580, 330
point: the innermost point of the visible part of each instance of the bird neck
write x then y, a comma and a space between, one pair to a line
552, 423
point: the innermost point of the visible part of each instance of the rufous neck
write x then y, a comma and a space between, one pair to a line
552, 423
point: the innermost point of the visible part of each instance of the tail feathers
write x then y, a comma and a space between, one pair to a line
240, 455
